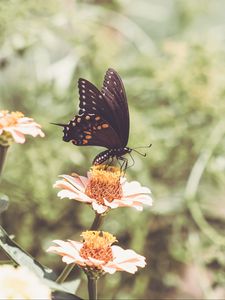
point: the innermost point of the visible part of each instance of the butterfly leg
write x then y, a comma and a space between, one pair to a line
124, 164
133, 161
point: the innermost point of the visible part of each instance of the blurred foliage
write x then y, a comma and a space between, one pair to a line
171, 56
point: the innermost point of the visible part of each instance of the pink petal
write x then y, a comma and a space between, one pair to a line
68, 250
77, 181
109, 268
113, 204
75, 196
141, 198
99, 207
84, 180
134, 188
125, 256
127, 260
72, 189
17, 136
30, 129
68, 260
25, 120
96, 262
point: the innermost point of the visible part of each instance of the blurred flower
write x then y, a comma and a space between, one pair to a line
104, 188
96, 255
13, 127
20, 283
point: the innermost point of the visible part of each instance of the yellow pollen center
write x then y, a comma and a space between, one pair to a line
9, 119
104, 183
97, 244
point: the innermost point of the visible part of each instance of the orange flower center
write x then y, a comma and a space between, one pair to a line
104, 183
9, 119
97, 244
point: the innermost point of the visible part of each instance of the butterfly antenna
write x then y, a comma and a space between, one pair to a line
143, 147
142, 154
58, 124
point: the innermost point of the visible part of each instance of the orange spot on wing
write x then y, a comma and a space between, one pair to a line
97, 118
88, 137
105, 125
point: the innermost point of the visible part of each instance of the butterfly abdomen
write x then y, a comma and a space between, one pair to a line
111, 153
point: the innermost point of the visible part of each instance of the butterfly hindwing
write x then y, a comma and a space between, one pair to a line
91, 129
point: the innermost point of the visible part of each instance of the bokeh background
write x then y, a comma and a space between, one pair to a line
171, 56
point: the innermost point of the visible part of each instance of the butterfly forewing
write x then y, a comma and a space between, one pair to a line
91, 99
115, 95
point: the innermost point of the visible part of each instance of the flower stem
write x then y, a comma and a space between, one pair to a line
92, 288
62, 277
97, 221
3, 151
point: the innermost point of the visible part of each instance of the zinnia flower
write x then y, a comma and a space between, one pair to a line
13, 127
20, 283
104, 188
96, 255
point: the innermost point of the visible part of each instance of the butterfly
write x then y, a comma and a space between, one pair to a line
103, 118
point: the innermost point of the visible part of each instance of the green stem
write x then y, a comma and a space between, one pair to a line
62, 277
3, 151
97, 221
92, 288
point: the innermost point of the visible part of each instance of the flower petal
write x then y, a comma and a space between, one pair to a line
134, 188
75, 182
68, 250
17, 136
126, 260
99, 208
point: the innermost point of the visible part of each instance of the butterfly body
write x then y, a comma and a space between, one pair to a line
107, 154
103, 118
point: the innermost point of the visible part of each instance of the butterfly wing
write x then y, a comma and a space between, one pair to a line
91, 130
114, 93
101, 115
92, 100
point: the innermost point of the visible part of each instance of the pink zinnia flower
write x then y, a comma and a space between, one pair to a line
96, 254
14, 126
104, 188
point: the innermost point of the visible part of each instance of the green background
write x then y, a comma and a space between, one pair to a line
171, 57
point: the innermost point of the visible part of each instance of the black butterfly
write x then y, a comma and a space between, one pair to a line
103, 118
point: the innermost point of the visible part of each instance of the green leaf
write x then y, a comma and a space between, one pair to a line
46, 275
4, 202
21, 257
